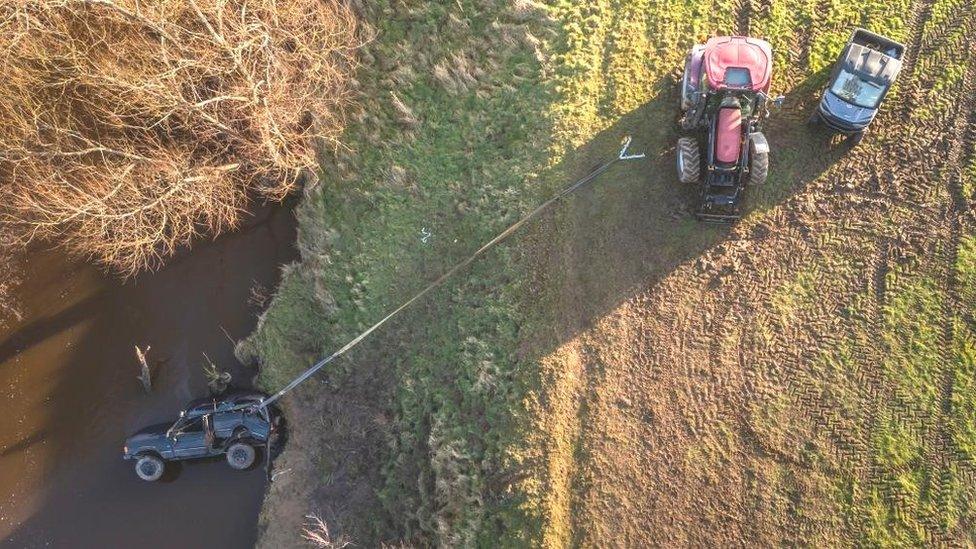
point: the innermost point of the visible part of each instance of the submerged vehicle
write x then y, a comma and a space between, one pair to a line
859, 81
231, 425
725, 101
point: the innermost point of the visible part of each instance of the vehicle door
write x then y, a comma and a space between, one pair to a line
224, 423
189, 441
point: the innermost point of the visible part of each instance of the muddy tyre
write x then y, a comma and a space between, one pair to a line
854, 138
689, 160
758, 168
150, 468
240, 456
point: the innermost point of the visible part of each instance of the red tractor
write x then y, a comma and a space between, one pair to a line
724, 100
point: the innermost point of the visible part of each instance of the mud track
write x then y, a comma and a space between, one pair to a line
706, 407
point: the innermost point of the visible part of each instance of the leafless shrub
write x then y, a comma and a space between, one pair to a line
317, 533
129, 128
217, 379
145, 376
259, 296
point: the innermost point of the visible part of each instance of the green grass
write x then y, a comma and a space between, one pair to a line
472, 112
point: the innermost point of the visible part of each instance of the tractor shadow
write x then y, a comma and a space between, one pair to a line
633, 226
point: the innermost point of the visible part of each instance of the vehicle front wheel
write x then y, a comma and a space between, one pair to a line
689, 160
855, 138
150, 468
240, 455
758, 168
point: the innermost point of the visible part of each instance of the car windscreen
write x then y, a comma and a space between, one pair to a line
856, 90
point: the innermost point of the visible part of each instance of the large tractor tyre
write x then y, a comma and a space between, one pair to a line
150, 468
684, 92
689, 160
240, 456
758, 168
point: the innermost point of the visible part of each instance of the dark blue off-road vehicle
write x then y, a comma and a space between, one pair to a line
231, 425
862, 77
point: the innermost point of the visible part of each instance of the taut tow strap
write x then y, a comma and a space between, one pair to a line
623, 155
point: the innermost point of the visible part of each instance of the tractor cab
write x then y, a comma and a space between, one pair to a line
724, 100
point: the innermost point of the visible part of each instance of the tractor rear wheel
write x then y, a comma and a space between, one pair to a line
758, 168
689, 160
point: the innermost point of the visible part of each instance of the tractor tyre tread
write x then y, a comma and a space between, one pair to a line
689, 160
758, 168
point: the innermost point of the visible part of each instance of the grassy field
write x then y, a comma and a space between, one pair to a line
621, 373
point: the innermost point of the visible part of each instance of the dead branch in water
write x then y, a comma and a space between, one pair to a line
131, 128
145, 377
217, 380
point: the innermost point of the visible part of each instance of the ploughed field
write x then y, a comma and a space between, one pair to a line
622, 374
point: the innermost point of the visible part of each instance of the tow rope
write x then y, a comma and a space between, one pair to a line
623, 155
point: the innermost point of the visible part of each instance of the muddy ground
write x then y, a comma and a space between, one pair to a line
747, 390
68, 372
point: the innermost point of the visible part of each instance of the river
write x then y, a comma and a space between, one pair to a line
70, 394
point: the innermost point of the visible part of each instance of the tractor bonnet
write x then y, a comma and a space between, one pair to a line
738, 62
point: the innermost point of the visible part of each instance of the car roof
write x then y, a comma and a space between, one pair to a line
871, 63
199, 406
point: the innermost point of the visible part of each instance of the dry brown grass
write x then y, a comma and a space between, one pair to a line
317, 534
131, 128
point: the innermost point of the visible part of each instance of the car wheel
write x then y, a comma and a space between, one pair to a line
689, 161
854, 139
150, 468
758, 168
814, 119
240, 456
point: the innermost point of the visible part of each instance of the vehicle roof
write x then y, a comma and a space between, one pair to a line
871, 63
193, 408
729, 52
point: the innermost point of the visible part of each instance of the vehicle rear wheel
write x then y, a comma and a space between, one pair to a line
240, 455
150, 468
814, 119
689, 160
758, 168
854, 138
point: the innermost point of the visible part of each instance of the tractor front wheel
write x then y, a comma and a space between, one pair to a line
689, 160
758, 168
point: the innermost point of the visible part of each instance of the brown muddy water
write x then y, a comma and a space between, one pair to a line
70, 395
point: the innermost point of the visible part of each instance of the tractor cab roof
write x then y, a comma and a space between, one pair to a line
738, 63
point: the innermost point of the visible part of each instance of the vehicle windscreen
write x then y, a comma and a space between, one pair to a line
857, 91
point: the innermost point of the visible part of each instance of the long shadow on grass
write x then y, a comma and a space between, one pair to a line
610, 241
633, 226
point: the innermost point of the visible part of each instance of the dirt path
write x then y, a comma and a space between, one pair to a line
71, 397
